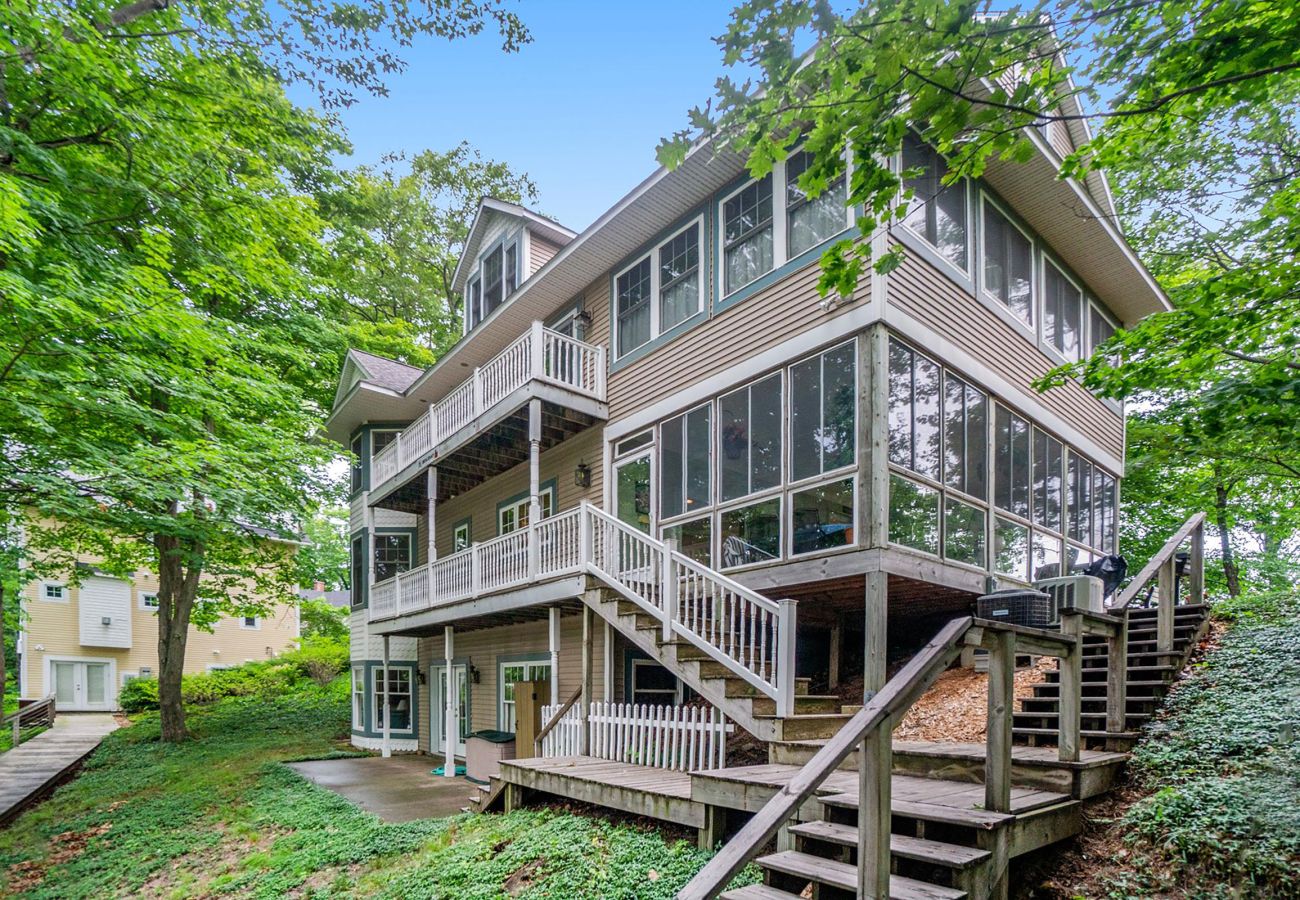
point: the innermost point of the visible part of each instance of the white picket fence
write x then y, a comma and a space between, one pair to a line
686, 739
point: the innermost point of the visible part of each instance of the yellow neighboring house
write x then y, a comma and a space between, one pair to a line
82, 642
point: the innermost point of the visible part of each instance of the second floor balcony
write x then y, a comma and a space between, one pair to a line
542, 364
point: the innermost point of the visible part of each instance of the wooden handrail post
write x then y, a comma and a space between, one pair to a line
17, 729
785, 669
1117, 680
1070, 708
538, 350
875, 811
588, 636
668, 588
1196, 566
584, 535
1001, 705
1165, 611
476, 393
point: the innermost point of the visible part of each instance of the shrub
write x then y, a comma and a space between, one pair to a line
138, 694
321, 659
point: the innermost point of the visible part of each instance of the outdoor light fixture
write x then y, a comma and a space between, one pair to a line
420, 677
582, 475
582, 321
473, 673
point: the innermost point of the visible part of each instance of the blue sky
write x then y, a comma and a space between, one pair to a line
580, 109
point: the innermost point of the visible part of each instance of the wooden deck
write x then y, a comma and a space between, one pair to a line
660, 794
38, 765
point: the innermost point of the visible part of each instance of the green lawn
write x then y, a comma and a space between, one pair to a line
1221, 772
220, 815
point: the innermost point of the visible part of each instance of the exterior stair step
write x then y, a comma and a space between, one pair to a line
951, 856
974, 819
845, 876
1085, 733
797, 727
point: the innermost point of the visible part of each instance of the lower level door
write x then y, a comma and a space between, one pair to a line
81, 685
438, 714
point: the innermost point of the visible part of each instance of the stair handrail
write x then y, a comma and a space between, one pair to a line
42, 709
775, 677
871, 730
1161, 565
555, 720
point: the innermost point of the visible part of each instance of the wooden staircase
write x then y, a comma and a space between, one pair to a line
815, 715
1151, 673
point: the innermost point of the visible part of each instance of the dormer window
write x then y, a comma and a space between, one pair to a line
497, 279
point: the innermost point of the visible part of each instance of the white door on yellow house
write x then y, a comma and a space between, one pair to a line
438, 712
81, 685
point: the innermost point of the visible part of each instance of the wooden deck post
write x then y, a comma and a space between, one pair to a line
875, 805
387, 742
1070, 707
1196, 566
607, 659
711, 832
584, 706
833, 664
553, 642
1165, 611
873, 437
668, 588
875, 654
450, 713
1001, 705
1117, 679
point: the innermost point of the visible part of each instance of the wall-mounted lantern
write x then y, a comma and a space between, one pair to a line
582, 475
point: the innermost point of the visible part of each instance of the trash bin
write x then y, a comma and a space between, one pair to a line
484, 751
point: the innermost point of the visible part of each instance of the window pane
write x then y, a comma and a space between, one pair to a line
671, 484
1062, 313
963, 537
1047, 481
1099, 329
1010, 548
359, 572
938, 211
392, 555
1008, 264
358, 450
810, 222
965, 438
913, 411
751, 438
1079, 491
693, 539
1103, 509
698, 434
679, 278
822, 517
632, 292
900, 404
512, 269
1011, 462
913, 515
840, 401
805, 419
1047, 556
733, 461
747, 231
751, 534
492, 272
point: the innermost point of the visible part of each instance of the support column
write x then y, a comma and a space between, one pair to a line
607, 655
451, 714
876, 753
873, 437
387, 750
876, 623
534, 479
1001, 705
553, 615
431, 540
370, 543
833, 664
1165, 611
584, 704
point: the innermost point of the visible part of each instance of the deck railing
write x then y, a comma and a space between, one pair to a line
870, 733
746, 632
686, 739
28, 715
540, 354
1164, 568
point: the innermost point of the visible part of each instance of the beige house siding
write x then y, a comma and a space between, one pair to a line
51, 631
540, 251
487, 648
922, 291
480, 503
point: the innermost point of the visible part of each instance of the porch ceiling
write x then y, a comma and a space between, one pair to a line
495, 451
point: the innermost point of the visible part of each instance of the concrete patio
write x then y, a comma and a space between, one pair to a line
397, 789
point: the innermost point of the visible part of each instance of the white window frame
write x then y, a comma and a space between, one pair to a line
144, 604
958, 273
1033, 327
1085, 306
656, 286
529, 663
378, 675
780, 224
672, 696
256, 626
522, 506
64, 594
459, 530
789, 480
358, 698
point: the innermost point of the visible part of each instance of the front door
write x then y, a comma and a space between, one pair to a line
81, 685
438, 714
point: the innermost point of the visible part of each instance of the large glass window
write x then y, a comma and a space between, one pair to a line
679, 278
1010, 548
474, 297
811, 221
749, 427
1011, 462
1048, 481
632, 298
913, 515
694, 538
684, 463
1008, 264
399, 698
511, 673
937, 211
359, 570
511, 277
964, 528
1100, 329
822, 517
1079, 490
358, 698
392, 555
493, 281
913, 411
965, 437
1062, 312
358, 448
823, 401
751, 534
1103, 519
747, 234
1046, 556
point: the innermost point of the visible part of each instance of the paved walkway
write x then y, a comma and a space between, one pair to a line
397, 789
38, 763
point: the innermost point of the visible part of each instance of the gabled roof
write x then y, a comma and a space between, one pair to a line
490, 208
379, 371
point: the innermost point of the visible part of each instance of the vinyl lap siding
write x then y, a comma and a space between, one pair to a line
540, 251
927, 295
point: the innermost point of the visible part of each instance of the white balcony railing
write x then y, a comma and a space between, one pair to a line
745, 631
540, 355
685, 738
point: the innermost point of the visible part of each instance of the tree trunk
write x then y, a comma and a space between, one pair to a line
1230, 573
177, 589
4, 673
